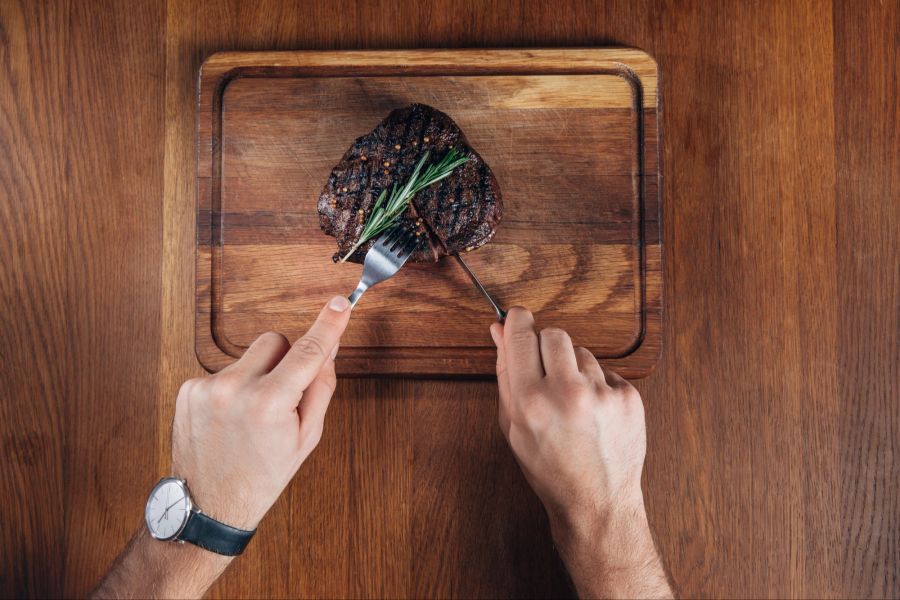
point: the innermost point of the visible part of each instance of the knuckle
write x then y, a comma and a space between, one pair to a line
572, 389
585, 354
554, 332
272, 338
330, 318
329, 378
184, 392
517, 311
310, 346
633, 400
501, 367
311, 435
315, 434
629, 392
577, 395
226, 381
312, 442
521, 337
187, 394
605, 392
217, 405
501, 370
222, 387
200, 388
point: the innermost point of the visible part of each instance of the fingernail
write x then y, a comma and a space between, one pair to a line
334, 352
339, 304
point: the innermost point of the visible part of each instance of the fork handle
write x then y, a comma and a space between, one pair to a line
354, 297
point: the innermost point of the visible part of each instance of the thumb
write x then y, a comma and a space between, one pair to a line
303, 362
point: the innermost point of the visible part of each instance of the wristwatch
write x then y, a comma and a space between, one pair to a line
171, 516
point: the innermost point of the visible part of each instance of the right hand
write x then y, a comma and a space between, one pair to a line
576, 429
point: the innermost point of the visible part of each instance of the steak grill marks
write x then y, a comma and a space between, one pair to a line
459, 213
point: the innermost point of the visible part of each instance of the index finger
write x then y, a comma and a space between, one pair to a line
502, 379
523, 353
308, 355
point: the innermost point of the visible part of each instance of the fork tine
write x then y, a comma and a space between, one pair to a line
402, 241
389, 253
399, 239
390, 235
410, 244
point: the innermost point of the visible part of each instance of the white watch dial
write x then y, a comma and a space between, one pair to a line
167, 509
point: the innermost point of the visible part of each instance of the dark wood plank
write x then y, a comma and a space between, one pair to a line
36, 369
477, 529
80, 171
741, 426
114, 111
867, 110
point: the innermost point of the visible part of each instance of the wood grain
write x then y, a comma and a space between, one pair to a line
579, 245
79, 194
112, 237
867, 71
35, 372
772, 417
753, 376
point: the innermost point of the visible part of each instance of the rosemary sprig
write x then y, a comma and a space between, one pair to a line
387, 209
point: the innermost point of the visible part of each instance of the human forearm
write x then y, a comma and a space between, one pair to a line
238, 437
578, 432
147, 568
611, 553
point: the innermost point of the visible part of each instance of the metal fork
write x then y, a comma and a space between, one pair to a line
390, 252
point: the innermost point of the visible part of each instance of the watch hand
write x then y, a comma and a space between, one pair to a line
166, 511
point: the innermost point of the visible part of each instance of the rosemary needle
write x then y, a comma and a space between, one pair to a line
388, 208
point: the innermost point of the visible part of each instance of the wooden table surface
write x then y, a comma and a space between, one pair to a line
773, 419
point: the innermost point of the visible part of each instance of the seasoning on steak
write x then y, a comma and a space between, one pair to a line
457, 214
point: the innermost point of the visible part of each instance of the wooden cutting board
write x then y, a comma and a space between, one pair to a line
571, 135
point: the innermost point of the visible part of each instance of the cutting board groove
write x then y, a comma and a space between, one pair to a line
572, 136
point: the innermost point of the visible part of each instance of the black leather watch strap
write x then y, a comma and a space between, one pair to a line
214, 536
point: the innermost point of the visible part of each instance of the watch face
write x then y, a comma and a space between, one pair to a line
168, 509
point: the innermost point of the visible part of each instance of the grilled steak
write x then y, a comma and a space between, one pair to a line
457, 214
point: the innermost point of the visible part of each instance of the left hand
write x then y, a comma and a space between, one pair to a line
241, 434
